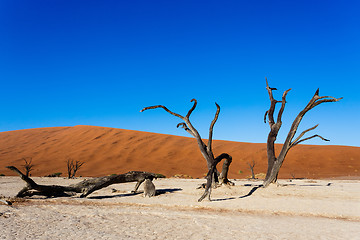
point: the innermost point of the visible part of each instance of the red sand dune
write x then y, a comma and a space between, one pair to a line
108, 150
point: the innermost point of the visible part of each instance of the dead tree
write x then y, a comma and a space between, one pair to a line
85, 187
275, 163
205, 149
251, 167
28, 166
72, 167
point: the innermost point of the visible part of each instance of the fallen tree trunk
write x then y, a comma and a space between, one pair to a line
85, 187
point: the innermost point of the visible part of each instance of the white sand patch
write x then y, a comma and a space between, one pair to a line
303, 209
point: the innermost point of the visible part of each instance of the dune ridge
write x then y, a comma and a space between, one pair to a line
110, 150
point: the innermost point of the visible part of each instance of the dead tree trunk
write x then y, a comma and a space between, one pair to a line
85, 187
251, 167
275, 163
205, 149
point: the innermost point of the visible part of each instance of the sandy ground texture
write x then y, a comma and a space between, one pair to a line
297, 209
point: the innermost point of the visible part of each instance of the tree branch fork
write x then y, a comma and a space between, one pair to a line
205, 149
276, 162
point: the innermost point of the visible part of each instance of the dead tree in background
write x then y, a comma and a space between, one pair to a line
28, 166
275, 163
206, 149
85, 187
73, 167
251, 167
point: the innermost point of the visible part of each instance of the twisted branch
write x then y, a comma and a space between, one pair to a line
212, 126
296, 143
165, 108
283, 102
192, 109
211, 174
185, 127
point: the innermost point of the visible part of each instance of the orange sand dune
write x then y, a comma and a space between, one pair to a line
108, 150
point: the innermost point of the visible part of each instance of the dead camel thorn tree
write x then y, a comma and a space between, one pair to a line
275, 163
251, 167
28, 166
73, 167
206, 149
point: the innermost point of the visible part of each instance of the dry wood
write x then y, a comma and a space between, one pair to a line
73, 167
28, 166
251, 167
85, 187
205, 149
275, 163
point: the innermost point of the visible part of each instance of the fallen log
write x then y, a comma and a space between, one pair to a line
85, 187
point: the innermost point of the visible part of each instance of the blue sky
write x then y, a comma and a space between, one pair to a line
66, 63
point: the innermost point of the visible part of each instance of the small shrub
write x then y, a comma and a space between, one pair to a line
159, 175
182, 176
58, 174
260, 175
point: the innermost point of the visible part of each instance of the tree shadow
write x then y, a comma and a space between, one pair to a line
311, 185
247, 195
167, 190
158, 192
256, 187
117, 195
222, 199
251, 191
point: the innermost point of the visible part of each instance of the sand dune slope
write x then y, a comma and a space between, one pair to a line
109, 150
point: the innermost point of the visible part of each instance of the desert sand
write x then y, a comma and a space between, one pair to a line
296, 209
108, 150
323, 205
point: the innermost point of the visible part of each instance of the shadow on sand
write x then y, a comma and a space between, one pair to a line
247, 195
251, 191
158, 192
167, 190
256, 187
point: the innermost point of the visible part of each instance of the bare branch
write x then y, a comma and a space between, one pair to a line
317, 92
273, 102
283, 102
28, 180
192, 109
267, 85
332, 99
302, 134
28, 166
76, 167
185, 127
265, 116
212, 126
296, 143
165, 108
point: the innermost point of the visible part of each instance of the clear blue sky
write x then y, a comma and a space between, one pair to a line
66, 63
